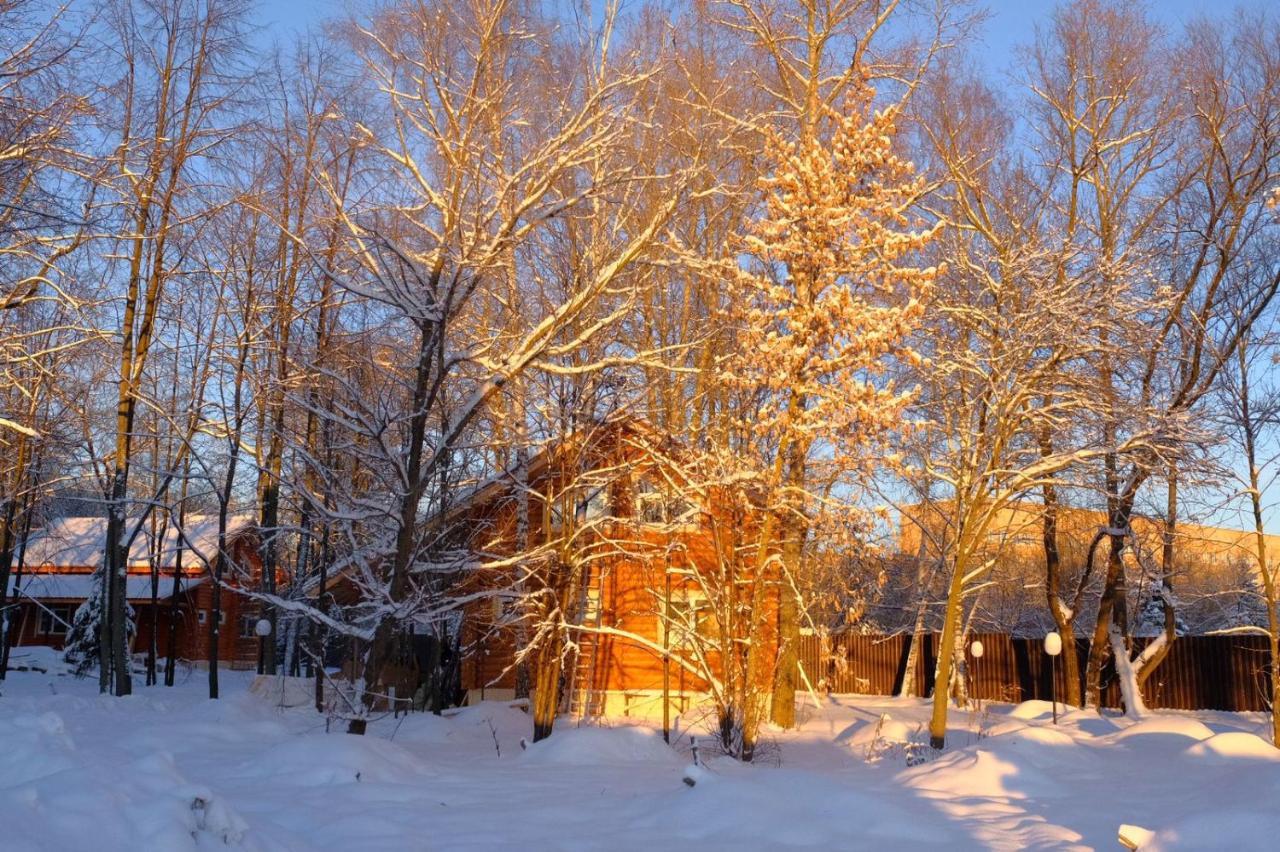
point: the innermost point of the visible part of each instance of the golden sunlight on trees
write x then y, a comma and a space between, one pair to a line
554, 356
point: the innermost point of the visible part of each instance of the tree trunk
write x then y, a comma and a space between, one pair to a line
1113, 606
1063, 617
114, 651
786, 679
546, 690
270, 529
1249, 431
523, 686
170, 663
6, 626
942, 673
1149, 660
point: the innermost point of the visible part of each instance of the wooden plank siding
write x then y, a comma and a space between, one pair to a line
195, 603
1200, 672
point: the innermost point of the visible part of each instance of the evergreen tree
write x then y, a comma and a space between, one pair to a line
82, 644
1151, 617
1249, 608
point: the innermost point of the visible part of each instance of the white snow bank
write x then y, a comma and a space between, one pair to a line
37, 657
1034, 710
1235, 745
591, 745
1235, 829
486, 729
888, 730
326, 759
1011, 771
1179, 726
34, 746
142, 804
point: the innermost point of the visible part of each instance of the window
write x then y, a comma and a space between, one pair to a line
656, 505
596, 505
590, 504
202, 615
690, 619
55, 618
248, 627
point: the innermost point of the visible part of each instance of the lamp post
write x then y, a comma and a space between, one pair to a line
1053, 647
975, 651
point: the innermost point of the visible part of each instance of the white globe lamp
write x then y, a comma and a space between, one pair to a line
1053, 647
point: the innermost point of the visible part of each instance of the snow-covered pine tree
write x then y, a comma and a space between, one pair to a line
1150, 621
81, 646
1249, 609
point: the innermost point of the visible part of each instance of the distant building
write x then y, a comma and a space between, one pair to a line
1214, 568
56, 576
1017, 531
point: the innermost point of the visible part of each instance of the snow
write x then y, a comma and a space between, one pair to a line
588, 746
78, 542
169, 769
80, 586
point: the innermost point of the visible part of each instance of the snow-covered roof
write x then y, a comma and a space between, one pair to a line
78, 586
79, 542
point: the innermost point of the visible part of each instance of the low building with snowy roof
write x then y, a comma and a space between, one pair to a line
55, 573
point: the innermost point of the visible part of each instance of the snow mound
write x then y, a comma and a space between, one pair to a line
477, 726
1236, 829
143, 804
1006, 771
1179, 726
888, 730
1033, 710
324, 759
37, 658
1033, 738
1042, 752
35, 746
1235, 745
169, 807
1008, 726
694, 775
587, 746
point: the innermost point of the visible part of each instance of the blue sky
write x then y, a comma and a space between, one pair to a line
1012, 22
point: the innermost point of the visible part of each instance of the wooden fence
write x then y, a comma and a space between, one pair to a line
1200, 672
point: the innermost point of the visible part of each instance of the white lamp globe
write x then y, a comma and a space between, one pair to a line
262, 628
1052, 643
975, 648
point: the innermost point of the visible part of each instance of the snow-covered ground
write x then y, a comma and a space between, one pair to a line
168, 769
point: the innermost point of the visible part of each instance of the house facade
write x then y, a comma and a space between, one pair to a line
54, 576
643, 561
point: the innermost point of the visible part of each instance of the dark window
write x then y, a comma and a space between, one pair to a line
248, 627
55, 618
658, 505
590, 504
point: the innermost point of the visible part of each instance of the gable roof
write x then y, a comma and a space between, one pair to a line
80, 542
54, 587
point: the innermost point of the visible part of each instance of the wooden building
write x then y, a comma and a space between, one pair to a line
647, 560
55, 576
1017, 531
